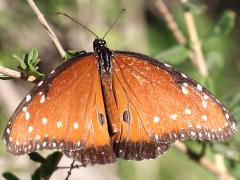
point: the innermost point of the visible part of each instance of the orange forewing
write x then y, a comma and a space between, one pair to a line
63, 112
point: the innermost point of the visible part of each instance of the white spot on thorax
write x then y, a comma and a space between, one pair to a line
156, 119
75, 125
28, 98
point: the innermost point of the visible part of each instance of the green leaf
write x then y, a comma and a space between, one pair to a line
36, 175
224, 26
29, 64
48, 166
175, 55
72, 53
36, 157
215, 62
10, 176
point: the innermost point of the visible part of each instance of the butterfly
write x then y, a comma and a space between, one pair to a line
106, 104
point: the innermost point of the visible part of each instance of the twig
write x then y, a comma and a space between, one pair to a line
172, 25
70, 170
204, 162
195, 42
43, 21
16, 74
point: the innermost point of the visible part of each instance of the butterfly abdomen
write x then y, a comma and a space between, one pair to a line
110, 104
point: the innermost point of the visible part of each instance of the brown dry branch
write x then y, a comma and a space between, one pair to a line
171, 23
16, 74
208, 165
173, 26
45, 24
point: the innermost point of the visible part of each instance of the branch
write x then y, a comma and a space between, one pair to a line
173, 26
195, 42
171, 23
16, 74
205, 163
43, 21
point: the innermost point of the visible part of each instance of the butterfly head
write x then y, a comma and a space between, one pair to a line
99, 45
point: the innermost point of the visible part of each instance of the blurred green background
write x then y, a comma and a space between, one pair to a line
141, 29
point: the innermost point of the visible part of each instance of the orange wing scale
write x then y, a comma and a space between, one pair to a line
65, 111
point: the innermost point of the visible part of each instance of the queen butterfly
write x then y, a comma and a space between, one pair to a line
105, 104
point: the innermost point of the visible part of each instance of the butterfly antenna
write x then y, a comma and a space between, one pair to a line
77, 23
113, 23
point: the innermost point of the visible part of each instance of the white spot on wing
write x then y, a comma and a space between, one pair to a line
156, 119
187, 111
199, 87
42, 99
59, 124
183, 75
75, 125
204, 117
37, 137
204, 104
205, 97
24, 109
8, 130
227, 116
27, 115
30, 129
44, 120
40, 83
184, 90
173, 116
28, 98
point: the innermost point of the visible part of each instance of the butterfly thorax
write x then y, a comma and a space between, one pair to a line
104, 55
